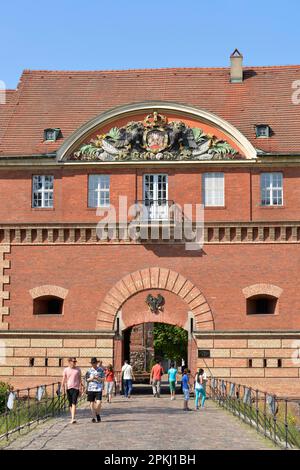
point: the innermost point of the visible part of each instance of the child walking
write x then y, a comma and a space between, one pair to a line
186, 389
109, 382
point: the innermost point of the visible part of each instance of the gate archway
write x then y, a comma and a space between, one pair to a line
155, 278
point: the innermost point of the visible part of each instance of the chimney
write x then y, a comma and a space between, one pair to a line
236, 67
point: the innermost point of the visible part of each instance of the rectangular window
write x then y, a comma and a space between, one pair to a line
213, 189
271, 189
42, 191
99, 189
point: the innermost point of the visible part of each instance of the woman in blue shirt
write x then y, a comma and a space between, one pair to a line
172, 376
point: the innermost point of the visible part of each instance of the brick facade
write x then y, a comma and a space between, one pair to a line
249, 250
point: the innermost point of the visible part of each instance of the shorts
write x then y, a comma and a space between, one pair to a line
186, 393
172, 386
109, 387
72, 395
94, 396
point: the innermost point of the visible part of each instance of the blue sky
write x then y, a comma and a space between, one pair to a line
116, 34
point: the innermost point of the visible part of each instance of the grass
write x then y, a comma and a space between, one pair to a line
27, 412
273, 427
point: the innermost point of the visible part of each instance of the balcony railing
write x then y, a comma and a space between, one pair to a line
151, 211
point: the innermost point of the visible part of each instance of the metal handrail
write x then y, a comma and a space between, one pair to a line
143, 209
273, 416
31, 405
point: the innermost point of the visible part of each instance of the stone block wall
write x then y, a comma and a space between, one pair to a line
49, 356
268, 363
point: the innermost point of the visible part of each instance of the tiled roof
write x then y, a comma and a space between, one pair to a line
5, 109
66, 100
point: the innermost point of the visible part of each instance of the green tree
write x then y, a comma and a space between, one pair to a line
170, 342
4, 389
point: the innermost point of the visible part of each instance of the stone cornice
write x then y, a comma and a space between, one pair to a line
56, 333
111, 333
85, 234
246, 333
45, 161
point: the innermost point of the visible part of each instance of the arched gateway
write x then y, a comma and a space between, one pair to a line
187, 303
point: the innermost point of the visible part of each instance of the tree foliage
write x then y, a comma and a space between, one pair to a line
170, 342
4, 389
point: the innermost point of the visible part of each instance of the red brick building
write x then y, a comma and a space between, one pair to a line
227, 138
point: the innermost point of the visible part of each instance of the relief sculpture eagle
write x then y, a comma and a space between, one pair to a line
155, 303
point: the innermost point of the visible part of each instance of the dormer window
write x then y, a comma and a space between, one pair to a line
262, 130
52, 134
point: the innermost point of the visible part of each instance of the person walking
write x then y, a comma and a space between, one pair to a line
200, 380
109, 382
94, 379
127, 378
172, 377
155, 378
71, 382
186, 389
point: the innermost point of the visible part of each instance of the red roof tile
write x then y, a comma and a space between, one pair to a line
6, 109
46, 99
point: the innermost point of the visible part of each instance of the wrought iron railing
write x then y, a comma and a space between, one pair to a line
163, 210
277, 418
26, 407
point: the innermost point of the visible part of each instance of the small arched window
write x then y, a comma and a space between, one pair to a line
48, 305
262, 305
262, 299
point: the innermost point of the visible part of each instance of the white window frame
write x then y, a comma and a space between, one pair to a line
43, 191
99, 192
273, 191
214, 199
155, 205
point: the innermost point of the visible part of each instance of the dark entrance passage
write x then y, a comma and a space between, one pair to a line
146, 342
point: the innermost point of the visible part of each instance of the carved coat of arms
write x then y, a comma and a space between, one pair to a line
155, 139
155, 136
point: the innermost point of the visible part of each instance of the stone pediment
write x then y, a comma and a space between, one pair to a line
153, 139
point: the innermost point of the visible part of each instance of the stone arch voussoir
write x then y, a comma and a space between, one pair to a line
48, 289
262, 289
154, 278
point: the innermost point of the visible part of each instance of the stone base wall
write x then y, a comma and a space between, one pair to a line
229, 358
50, 355
269, 364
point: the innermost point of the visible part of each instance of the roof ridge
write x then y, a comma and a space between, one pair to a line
246, 67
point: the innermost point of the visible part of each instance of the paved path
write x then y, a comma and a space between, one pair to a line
144, 422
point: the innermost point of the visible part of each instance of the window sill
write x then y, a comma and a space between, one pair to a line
261, 314
48, 315
214, 207
43, 209
99, 207
271, 207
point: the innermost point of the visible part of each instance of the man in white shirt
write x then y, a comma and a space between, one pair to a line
127, 377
